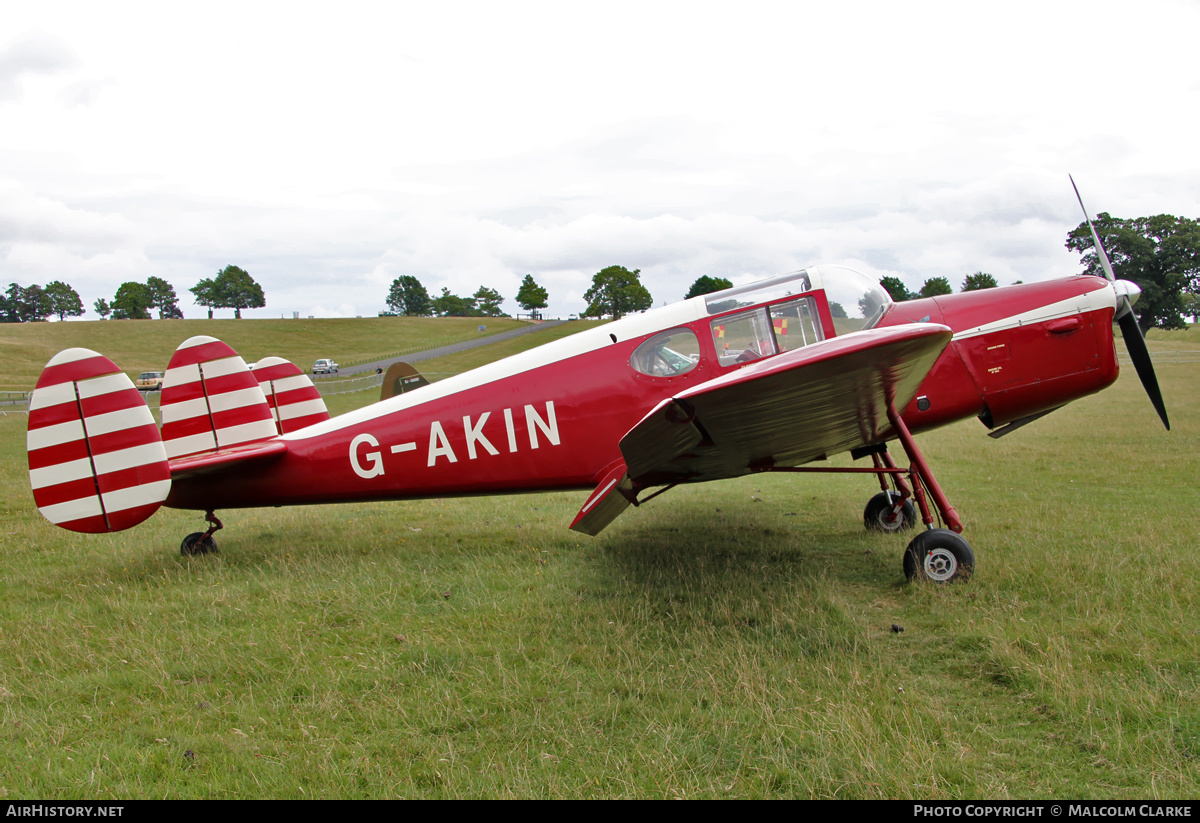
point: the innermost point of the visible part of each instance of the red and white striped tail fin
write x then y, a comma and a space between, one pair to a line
96, 462
211, 401
294, 400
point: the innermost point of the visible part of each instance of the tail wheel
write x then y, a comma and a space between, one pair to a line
198, 543
877, 516
939, 556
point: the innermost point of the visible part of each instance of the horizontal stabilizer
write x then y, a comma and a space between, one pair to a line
294, 400
211, 401
210, 461
96, 462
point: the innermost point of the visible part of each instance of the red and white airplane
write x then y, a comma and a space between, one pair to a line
767, 377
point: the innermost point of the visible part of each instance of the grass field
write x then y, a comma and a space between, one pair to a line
727, 640
146, 345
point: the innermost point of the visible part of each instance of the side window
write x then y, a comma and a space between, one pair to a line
668, 354
743, 337
796, 324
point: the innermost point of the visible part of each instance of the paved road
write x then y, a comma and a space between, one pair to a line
429, 354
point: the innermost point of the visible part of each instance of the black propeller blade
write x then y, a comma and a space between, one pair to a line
1136, 344
1130, 331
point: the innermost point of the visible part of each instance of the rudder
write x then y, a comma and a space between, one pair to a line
96, 461
294, 400
210, 400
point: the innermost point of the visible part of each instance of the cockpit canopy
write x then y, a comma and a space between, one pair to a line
793, 318
855, 300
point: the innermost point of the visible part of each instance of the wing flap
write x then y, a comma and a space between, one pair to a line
787, 410
611, 497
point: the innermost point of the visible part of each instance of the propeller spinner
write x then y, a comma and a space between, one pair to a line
1127, 293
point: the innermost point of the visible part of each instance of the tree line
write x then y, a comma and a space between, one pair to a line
1161, 254
615, 291
232, 288
935, 286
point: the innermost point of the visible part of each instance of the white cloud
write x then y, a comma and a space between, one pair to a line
472, 144
31, 54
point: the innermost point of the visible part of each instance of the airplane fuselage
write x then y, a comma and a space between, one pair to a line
552, 418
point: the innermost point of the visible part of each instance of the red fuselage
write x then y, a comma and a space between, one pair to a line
552, 418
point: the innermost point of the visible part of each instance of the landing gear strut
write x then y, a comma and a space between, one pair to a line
889, 511
940, 555
198, 543
936, 554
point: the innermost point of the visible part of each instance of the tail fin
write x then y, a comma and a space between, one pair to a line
96, 462
294, 400
401, 378
210, 400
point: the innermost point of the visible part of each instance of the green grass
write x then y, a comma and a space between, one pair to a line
1181, 340
146, 345
725, 640
440, 367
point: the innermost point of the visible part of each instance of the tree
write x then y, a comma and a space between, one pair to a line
24, 304
896, 288
616, 290
9, 304
1160, 253
132, 302
102, 308
237, 290
935, 286
64, 300
1191, 306
205, 294
164, 297
451, 305
979, 280
407, 296
707, 285
487, 302
532, 297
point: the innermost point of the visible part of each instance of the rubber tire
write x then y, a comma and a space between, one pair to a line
939, 556
195, 545
875, 514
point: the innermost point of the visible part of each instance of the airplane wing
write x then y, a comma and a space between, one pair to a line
786, 410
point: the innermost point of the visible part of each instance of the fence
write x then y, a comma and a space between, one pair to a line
328, 388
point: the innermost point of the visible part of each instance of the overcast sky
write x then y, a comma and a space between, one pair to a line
330, 148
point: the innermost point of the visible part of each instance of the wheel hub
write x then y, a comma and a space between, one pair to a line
940, 565
890, 521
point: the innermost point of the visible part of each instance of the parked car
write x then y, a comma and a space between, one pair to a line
325, 367
149, 381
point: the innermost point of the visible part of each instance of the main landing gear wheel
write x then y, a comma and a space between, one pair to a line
940, 556
877, 515
198, 543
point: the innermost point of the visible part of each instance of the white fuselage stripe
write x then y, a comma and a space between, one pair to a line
1092, 301
626, 328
